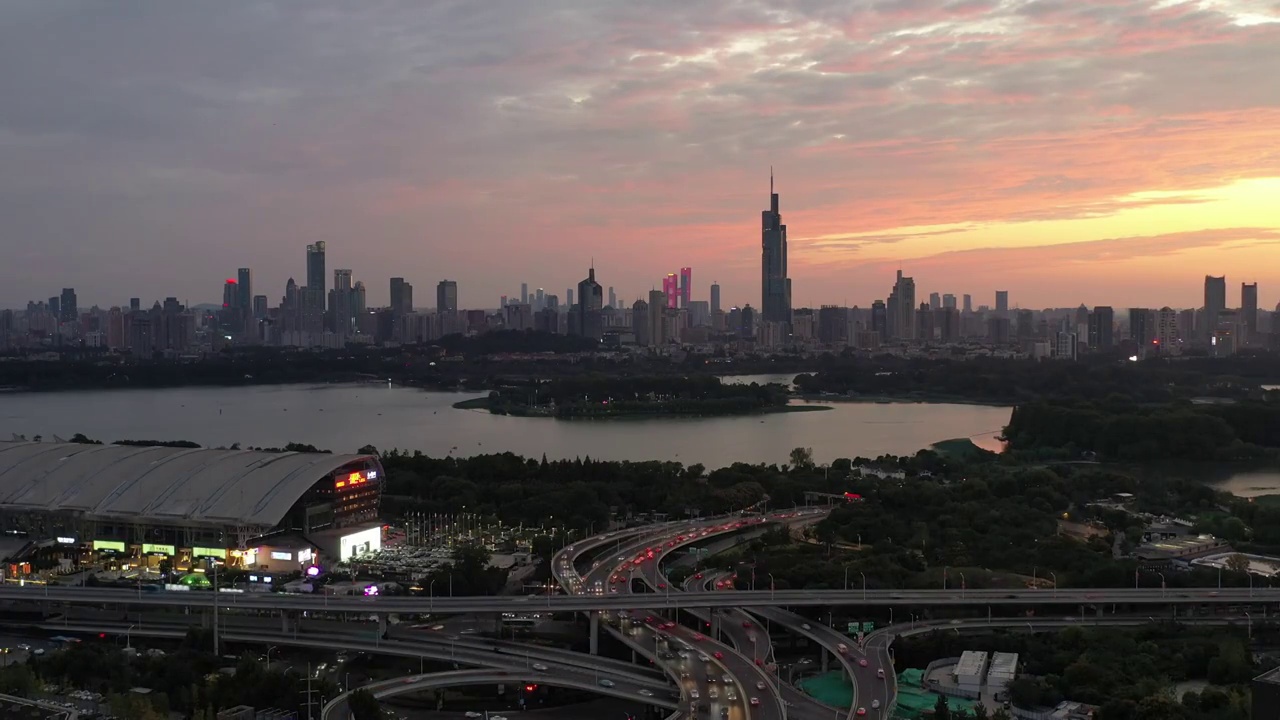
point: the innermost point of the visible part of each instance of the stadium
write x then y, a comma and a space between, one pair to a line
121, 505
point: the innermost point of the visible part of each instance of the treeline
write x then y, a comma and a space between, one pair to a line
1127, 672
603, 395
1120, 430
1017, 380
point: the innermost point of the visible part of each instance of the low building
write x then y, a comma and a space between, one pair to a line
1181, 548
970, 670
1004, 668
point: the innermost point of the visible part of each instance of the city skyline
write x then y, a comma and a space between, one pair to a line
491, 148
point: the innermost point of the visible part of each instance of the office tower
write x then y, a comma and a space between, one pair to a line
968, 303
880, 319
1066, 346
902, 308
342, 303
230, 295
539, 299
1142, 330
935, 301
1101, 328
833, 325
568, 297
1215, 301
1002, 302
613, 298
686, 286
640, 322
1249, 309
715, 298
1024, 325
259, 307
590, 303
655, 318
401, 297
244, 281
313, 304
775, 290
747, 322
671, 288
998, 330
924, 323
54, 308
552, 302
947, 322
949, 301
69, 313
524, 293
135, 304
447, 298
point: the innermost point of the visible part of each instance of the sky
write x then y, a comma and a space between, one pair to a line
1068, 151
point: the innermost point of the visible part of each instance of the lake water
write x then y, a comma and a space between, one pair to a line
343, 418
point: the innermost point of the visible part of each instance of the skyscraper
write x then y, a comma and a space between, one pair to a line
935, 301
590, 302
613, 298
1002, 302
640, 322
313, 299
1215, 301
1101, 328
968, 303
447, 297
657, 307
69, 313
715, 298
686, 286
1249, 309
775, 286
949, 301
903, 320
342, 302
244, 285
524, 293
401, 297
671, 288
1142, 327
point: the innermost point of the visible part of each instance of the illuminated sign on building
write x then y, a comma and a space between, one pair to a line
305, 555
358, 543
355, 478
208, 552
156, 549
67, 540
277, 555
112, 545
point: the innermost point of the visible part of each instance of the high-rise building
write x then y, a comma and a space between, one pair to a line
1102, 328
686, 286
640, 322
775, 290
902, 308
401, 298
935, 301
656, 317
524, 293
747, 322
949, 301
880, 319
1002, 302
342, 303
1215, 301
833, 325
590, 303
67, 310
313, 304
671, 288
447, 297
244, 283
1167, 339
715, 298
1249, 309
230, 295
135, 304
259, 307
613, 298
539, 299
568, 297
968, 304
1142, 327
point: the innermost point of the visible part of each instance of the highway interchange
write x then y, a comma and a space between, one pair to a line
724, 673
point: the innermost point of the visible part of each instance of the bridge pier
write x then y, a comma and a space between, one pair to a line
206, 620
594, 632
826, 659
284, 621
382, 625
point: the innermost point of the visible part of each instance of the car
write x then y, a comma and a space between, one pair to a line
473, 714
604, 682
24, 647
862, 662
759, 662
760, 685
497, 717
755, 702
662, 586
751, 637
646, 692
713, 694
693, 694
699, 637
875, 704
805, 626
727, 679
861, 711
718, 655
703, 657
746, 624
880, 673
731, 696
698, 576
539, 667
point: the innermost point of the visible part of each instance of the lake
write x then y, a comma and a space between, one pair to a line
343, 418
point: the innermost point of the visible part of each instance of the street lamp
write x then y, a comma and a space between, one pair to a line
945, 568
1163, 585
1249, 618
1055, 583
431, 594
962, 585
772, 588
864, 585
273, 647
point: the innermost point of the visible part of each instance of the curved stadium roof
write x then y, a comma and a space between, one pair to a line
160, 484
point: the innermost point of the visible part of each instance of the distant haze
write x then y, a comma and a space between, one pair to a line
1088, 151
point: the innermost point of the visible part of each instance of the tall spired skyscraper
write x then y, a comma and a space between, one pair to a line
775, 286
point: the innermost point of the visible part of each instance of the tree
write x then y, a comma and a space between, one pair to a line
941, 711
802, 458
1001, 714
364, 706
980, 712
1237, 563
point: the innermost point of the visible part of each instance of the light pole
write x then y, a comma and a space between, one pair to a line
431, 595
128, 642
1055, 583
1163, 584
864, 585
273, 647
772, 588
846, 577
1249, 618
962, 585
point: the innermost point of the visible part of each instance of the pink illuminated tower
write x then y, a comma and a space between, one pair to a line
670, 288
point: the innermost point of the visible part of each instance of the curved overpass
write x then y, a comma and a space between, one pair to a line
336, 709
